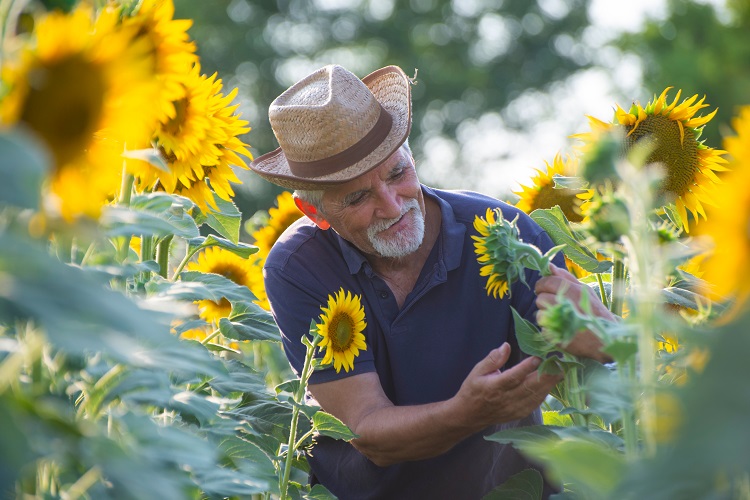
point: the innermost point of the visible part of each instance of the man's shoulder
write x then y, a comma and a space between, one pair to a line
302, 234
468, 204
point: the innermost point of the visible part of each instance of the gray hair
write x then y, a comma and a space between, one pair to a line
315, 196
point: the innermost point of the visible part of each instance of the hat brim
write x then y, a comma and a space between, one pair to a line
392, 88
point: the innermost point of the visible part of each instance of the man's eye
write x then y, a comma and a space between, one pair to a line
356, 200
397, 175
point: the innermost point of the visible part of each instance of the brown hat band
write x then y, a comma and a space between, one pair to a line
351, 155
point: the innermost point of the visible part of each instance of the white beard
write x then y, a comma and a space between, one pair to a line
405, 242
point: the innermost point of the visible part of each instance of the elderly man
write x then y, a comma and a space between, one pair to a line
442, 367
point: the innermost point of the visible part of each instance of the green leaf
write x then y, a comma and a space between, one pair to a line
525, 485
224, 482
248, 321
194, 285
557, 418
241, 379
554, 222
328, 425
152, 156
530, 338
24, 163
266, 414
289, 386
684, 298
187, 402
123, 221
226, 221
567, 182
319, 492
621, 351
242, 249
587, 468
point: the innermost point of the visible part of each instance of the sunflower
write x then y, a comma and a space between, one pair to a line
727, 268
173, 51
86, 89
279, 218
543, 194
341, 326
199, 143
690, 165
497, 281
225, 263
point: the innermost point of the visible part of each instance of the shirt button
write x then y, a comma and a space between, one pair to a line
383, 295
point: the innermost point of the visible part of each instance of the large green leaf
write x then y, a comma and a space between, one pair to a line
24, 163
328, 425
530, 338
194, 285
223, 482
589, 460
526, 485
248, 321
553, 221
124, 221
226, 221
242, 249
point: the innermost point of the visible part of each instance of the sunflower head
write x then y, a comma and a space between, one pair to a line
279, 218
502, 255
341, 325
224, 263
86, 90
673, 131
200, 144
728, 267
172, 50
543, 193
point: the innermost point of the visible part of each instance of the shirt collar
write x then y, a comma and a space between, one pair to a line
451, 239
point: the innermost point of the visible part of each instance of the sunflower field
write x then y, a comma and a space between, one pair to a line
138, 356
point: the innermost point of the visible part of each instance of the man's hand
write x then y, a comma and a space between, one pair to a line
547, 288
490, 396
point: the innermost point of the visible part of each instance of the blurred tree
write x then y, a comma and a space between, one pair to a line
473, 56
697, 50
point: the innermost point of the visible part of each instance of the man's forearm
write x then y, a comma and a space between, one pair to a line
401, 433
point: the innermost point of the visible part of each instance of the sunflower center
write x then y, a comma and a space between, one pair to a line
678, 155
174, 125
548, 197
342, 330
231, 273
64, 105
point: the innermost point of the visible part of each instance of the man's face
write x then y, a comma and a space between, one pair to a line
381, 212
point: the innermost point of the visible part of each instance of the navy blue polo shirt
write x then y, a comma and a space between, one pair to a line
421, 352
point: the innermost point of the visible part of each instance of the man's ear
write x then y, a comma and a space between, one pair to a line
312, 213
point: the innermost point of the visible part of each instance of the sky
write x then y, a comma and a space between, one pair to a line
498, 158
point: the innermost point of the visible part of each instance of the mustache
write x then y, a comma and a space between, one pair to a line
382, 225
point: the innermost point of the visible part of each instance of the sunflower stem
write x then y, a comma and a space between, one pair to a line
299, 394
188, 255
126, 193
209, 338
602, 291
618, 286
162, 255
629, 427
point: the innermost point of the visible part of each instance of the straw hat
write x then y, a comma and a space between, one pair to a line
333, 127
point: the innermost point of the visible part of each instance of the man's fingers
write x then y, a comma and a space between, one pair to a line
494, 360
562, 273
513, 378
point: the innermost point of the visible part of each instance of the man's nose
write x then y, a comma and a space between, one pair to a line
389, 204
